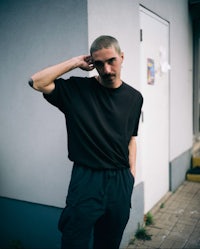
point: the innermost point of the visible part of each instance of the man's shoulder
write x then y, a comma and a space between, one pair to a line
74, 79
133, 91
73, 82
80, 78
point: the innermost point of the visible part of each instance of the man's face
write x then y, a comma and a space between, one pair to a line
107, 62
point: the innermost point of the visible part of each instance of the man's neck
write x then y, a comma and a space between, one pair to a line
117, 83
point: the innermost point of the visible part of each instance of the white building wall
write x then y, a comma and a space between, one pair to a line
181, 136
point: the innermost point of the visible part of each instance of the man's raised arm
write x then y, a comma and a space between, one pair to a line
43, 80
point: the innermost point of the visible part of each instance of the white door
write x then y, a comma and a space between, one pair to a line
155, 117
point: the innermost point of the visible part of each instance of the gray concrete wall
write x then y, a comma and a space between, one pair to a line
136, 214
178, 169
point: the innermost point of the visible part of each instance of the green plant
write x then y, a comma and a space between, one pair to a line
162, 205
148, 219
142, 233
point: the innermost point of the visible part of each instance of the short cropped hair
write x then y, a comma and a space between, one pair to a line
105, 41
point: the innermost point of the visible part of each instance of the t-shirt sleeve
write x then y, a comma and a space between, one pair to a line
59, 97
137, 114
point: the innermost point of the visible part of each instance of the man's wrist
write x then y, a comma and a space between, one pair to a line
132, 171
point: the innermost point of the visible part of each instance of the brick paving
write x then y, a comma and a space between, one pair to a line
177, 224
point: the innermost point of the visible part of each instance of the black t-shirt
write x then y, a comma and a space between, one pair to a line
100, 121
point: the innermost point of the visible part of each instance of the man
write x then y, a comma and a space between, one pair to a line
102, 115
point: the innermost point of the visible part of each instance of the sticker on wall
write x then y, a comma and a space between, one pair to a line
164, 66
150, 71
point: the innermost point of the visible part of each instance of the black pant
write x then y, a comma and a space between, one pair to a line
97, 210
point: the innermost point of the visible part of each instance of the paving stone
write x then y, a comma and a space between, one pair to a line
195, 238
177, 224
155, 243
179, 244
167, 244
191, 246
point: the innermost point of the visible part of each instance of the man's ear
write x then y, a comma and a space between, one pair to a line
122, 56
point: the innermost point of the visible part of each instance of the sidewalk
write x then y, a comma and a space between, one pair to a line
176, 222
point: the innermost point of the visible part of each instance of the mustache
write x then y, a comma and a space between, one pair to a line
106, 76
